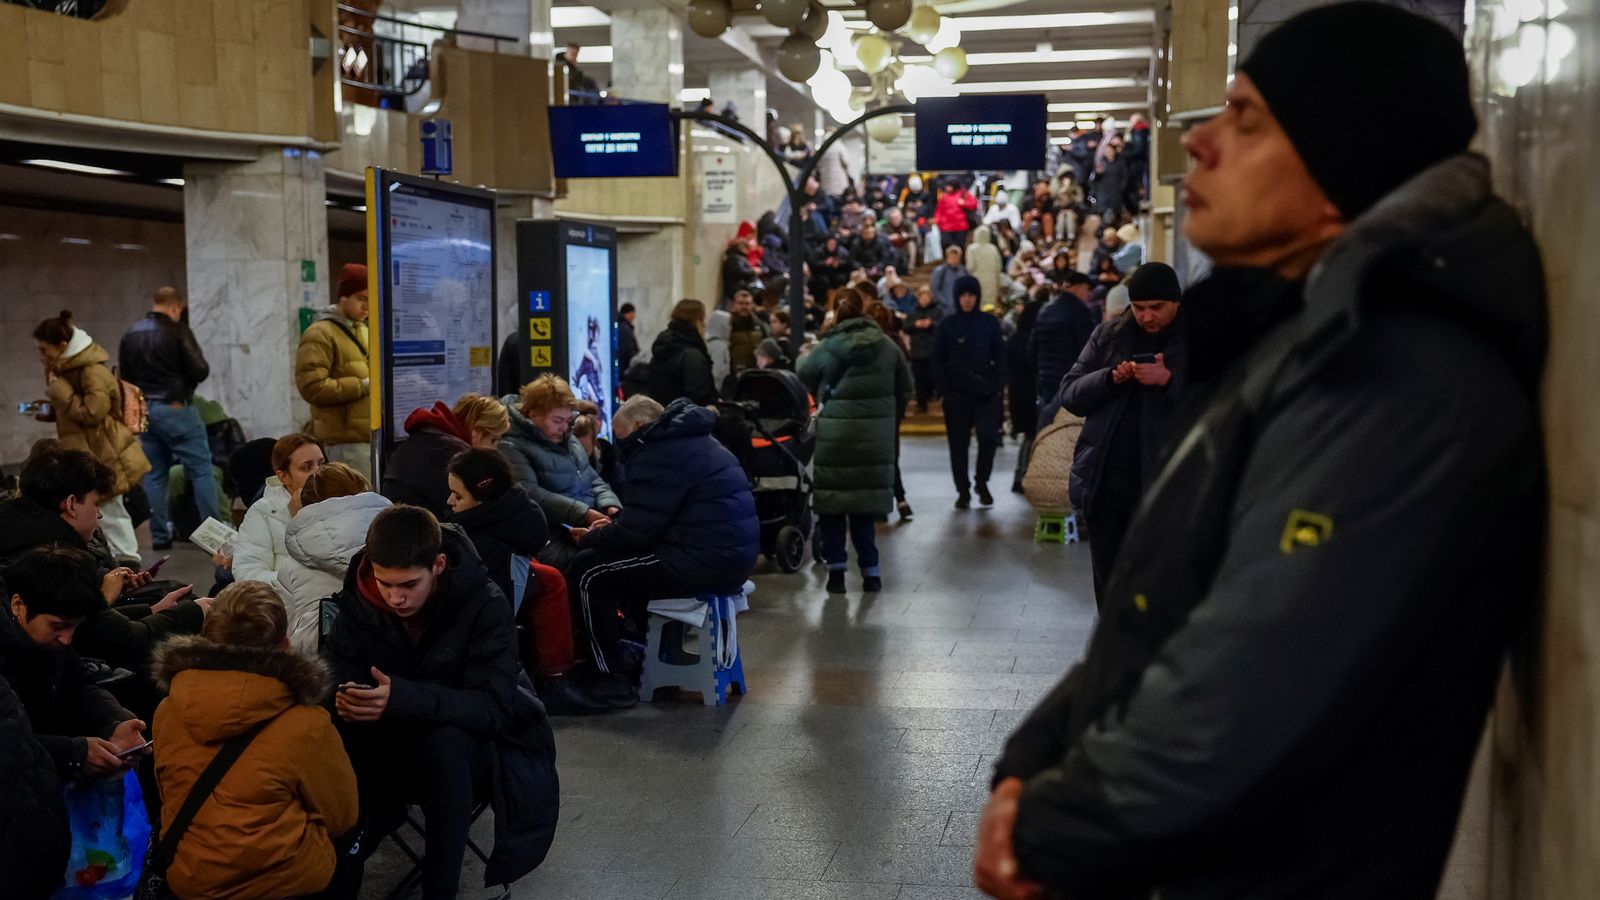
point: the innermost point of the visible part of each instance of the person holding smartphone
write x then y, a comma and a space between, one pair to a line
1126, 384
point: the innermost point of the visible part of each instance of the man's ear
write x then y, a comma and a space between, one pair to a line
18, 608
439, 564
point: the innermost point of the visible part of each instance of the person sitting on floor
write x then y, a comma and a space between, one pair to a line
425, 653
689, 528
433, 437
50, 592
550, 464
57, 504
273, 824
504, 524
336, 506
258, 552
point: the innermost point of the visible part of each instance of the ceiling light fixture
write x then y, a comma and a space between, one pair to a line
1060, 84
578, 17
175, 182
78, 168
1055, 20
1054, 56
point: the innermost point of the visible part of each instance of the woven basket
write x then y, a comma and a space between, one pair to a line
1050, 466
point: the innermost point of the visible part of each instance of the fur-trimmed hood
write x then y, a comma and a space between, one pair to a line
220, 690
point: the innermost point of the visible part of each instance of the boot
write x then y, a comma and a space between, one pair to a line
836, 581
963, 500
984, 497
904, 509
871, 583
563, 697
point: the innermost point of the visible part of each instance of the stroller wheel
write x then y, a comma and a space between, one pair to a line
789, 550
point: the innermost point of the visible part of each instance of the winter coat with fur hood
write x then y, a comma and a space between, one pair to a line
320, 541
268, 828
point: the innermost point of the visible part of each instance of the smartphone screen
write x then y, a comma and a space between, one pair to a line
1144, 359
139, 749
156, 566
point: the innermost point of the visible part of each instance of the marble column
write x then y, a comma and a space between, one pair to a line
650, 271
252, 232
647, 62
507, 18
508, 210
747, 88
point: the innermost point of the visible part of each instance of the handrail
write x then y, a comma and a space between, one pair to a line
77, 9
380, 17
393, 65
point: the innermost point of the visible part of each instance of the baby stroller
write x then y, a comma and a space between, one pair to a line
778, 410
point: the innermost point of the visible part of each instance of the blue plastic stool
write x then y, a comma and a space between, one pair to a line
668, 664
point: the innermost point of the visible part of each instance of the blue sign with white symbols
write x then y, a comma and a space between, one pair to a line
538, 301
436, 147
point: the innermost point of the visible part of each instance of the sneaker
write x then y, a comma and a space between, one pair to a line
984, 497
563, 697
963, 500
904, 509
836, 581
871, 583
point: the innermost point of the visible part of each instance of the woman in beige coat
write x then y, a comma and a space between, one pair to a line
86, 405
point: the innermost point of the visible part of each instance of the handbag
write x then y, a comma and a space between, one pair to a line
153, 883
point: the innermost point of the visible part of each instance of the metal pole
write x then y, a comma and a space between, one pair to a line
796, 188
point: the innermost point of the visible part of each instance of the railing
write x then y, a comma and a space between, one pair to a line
385, 59
77, 9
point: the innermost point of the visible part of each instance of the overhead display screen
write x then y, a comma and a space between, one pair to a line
628, 141
984, 133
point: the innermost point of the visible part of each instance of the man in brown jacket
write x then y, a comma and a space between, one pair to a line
330, 370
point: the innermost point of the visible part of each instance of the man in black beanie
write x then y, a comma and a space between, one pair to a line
968, 367
1303, 630
1126, 384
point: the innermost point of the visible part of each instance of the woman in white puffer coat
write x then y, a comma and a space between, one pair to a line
258, 552
337, 506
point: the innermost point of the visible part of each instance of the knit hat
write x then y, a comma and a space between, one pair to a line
1154, 281
771, 349
1117, 299
966, 284
1390, 65
352, 279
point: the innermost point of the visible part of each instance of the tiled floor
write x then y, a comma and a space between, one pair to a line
856, 766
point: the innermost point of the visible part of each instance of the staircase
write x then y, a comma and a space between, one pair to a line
932, 421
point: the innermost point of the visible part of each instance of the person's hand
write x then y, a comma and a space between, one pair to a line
171, 599
363, 704
578, 534
1155, 374
995, 868
593, 516
101, 759
128, 734
222, 560
1122, 374
112, 582
611, 511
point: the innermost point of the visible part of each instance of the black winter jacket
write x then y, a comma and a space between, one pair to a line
1089, 391
34, 836
687, 501
163, 358
415, 472
1308, 618
508, 525
1059, 336
969, 355
122, 635
627, 344
680, 366
463, 672
63, 705
922, 338
1020, 375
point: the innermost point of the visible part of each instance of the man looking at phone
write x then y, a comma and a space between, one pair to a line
49, 593
58, 504
424, 650
1126, 383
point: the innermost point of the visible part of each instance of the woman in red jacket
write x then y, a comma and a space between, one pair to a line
954, 215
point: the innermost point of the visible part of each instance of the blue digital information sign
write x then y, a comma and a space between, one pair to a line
627, 141
981, 133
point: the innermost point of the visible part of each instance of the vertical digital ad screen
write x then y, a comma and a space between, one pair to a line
627, 141
998, 132
589, 328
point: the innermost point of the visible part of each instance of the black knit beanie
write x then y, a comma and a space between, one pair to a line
1154, 281
966, 284
1327, 67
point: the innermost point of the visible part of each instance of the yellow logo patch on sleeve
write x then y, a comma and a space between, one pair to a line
1305, 530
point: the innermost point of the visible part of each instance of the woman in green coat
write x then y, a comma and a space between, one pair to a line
862, 381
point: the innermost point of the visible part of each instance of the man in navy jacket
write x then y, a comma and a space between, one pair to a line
688, 527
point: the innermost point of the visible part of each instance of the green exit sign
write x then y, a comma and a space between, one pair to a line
308, 270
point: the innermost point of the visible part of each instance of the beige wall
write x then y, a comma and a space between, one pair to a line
213, 65
107, 283
1541, 135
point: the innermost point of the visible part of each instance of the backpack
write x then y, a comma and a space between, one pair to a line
1050, 466
133, 410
